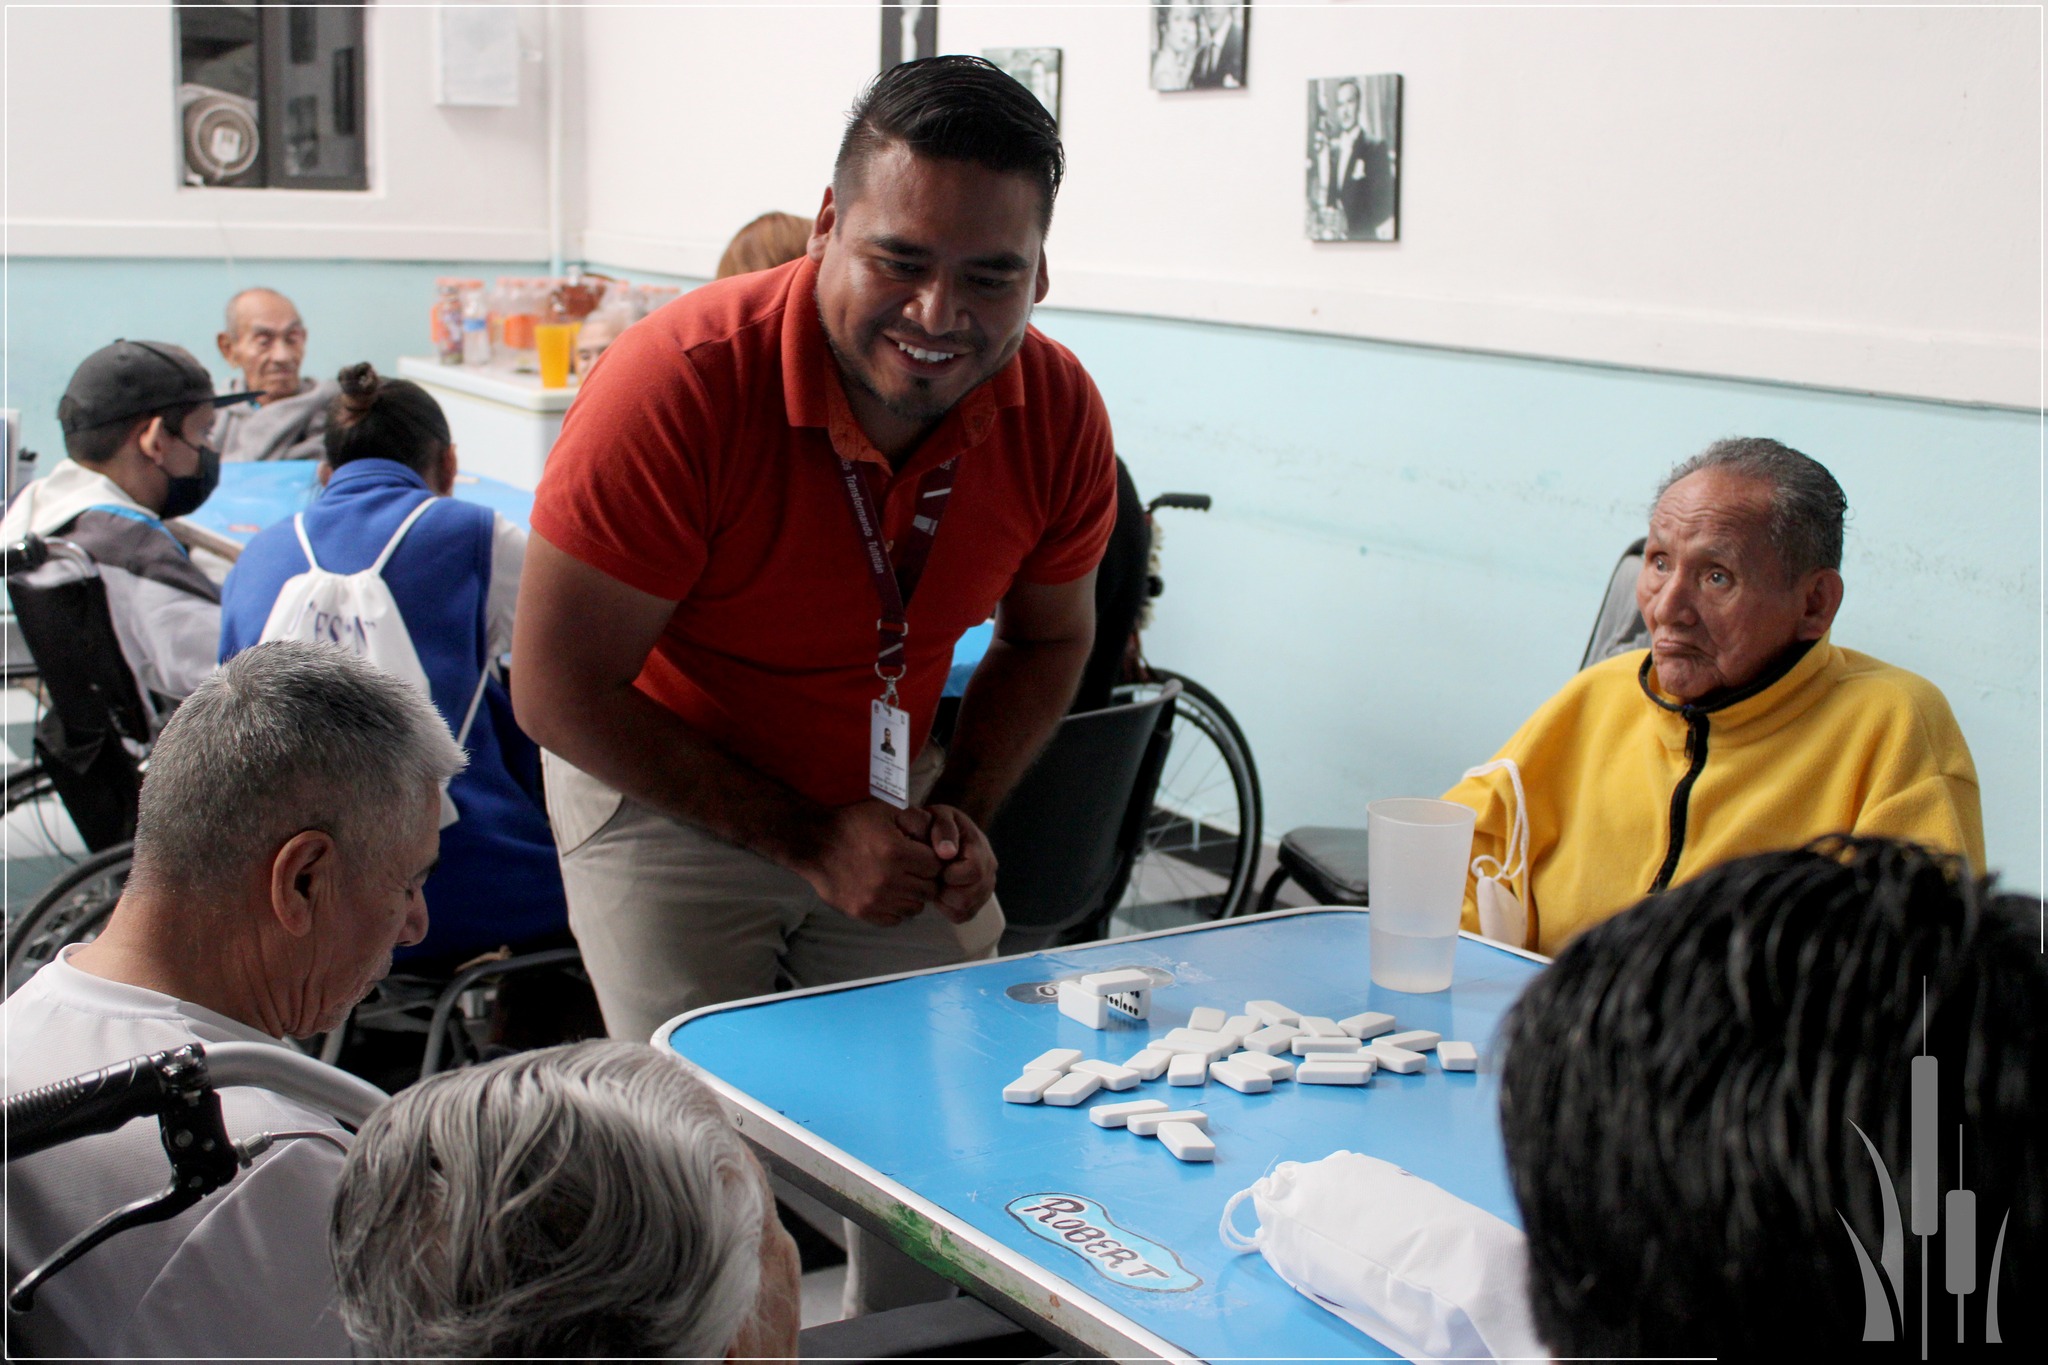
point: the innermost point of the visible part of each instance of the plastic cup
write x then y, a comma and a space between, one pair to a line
1416, 859
554, 343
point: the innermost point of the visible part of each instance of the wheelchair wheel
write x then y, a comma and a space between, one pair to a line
26, 782
1201, 846
72, 910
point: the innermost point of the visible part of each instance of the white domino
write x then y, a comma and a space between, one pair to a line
1207, 1018
1457, 1056
1335, 1071
1112, 1076
1394, 1058
1315, 1026
1149, 1064
1116, 982
1030, 1087
1276, 1068
1208, 1046
1306, 1046
1272, 1039
1086, 1006
1147, 1125
1367, 1025
1270, 1012
1072, 1088
1245, 1080
1415, 1040
1060, 1059
1187, 1142
1188, 1068
1240, 1026
1117, 1115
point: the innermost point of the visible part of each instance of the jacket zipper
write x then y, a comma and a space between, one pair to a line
1696, 749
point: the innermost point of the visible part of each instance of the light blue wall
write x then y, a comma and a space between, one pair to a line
1408, 545
60, 310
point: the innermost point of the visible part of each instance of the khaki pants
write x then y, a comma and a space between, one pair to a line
671, 918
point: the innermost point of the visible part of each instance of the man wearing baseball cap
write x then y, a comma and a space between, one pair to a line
136, 417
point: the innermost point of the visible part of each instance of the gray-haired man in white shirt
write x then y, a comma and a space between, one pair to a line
290, 814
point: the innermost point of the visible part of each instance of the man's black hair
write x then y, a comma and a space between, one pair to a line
953, 109
1682, 1092
97, 445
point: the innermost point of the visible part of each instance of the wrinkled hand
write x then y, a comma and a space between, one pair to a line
969, 876
870, 868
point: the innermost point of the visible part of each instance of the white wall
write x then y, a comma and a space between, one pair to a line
1848, 198
93, 169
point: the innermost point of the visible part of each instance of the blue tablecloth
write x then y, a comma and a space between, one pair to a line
906, 1076
252, 495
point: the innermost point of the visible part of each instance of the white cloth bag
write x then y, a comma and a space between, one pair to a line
1402, 1260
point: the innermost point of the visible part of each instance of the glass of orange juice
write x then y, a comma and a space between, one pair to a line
555, 342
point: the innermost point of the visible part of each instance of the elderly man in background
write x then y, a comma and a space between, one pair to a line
290, 814
585, 1202
1743, 728
1706, 1101
266, 341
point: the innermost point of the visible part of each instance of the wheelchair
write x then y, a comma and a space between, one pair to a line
90, 744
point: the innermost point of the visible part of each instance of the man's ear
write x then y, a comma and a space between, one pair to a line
227, 346
828, 215
302, 878
152, 438
1044, 278
1822, 600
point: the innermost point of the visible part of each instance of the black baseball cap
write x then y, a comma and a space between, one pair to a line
132, 379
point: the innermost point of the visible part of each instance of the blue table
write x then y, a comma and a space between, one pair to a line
885, 1097
253, 495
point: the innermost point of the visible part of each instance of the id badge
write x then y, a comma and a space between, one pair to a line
889, 754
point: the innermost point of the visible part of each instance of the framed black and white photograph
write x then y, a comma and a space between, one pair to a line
1354, 159
910, 30
1037, 69
1199, 47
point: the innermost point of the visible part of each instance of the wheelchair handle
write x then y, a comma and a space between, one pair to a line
295, 1076
101, 1101
26, 555
1186, 502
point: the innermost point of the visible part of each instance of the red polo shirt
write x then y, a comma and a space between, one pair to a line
698, 464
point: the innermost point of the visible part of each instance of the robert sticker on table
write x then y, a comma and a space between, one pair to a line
1119, 1255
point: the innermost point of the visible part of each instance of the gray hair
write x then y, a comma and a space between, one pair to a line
1808, 508
233, 312
284, 737
582, 1201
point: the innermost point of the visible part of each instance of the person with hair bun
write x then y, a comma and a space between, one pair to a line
453, 571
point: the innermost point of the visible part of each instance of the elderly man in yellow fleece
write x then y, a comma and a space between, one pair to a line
1742, 728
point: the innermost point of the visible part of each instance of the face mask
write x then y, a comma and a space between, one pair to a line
1406, 1262
188, 491
1502, 916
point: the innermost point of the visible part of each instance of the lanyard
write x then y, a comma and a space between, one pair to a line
895, 584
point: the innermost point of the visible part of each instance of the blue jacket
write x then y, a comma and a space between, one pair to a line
498, 881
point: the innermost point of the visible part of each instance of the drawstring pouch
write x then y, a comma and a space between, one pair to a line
1404, 1261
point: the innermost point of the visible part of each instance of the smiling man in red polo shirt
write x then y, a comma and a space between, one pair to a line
774, 508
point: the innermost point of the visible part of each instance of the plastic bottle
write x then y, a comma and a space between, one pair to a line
476, 328
446, 320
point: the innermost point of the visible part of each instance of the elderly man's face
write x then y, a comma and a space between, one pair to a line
926, 278
267, 344
377, 905
1713, 590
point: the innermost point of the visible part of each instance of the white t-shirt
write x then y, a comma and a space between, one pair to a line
244, 1272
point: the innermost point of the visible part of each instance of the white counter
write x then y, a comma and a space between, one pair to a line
503, 423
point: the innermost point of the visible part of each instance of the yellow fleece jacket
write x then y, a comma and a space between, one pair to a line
1840, 743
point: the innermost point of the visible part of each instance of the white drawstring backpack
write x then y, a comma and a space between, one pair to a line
358, 612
